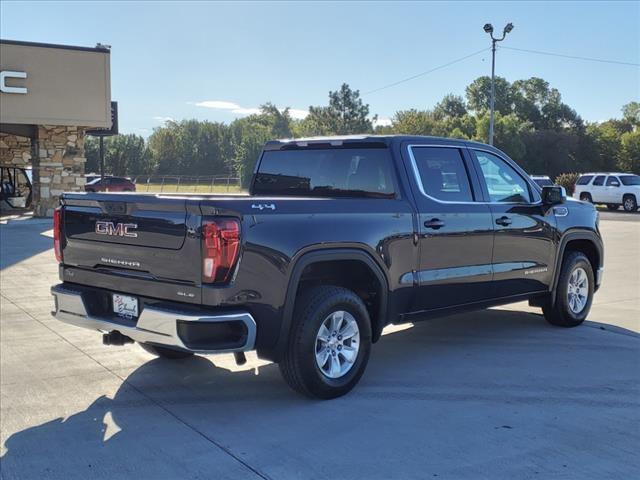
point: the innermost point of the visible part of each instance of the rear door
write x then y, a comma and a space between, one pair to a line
597, 190
523, 252
455, 230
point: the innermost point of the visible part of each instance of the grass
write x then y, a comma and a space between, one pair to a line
186, 188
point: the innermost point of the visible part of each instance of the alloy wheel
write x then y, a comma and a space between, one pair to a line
337, 344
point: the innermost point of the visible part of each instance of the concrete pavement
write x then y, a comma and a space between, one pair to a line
493, 394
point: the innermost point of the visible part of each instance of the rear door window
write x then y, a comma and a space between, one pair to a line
326, 172
599, 181
442, 173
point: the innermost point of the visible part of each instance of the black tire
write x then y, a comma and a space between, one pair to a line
298, 365
560, 314
165, 352
586, 197
612, 206
629, 203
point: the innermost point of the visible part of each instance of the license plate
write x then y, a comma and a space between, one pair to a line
125, 306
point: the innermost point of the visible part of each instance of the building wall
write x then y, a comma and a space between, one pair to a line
58, 163
15, 150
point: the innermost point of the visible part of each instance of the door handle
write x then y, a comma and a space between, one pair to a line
504, 221
434, 223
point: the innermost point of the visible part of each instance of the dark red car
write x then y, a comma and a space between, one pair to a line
110, 184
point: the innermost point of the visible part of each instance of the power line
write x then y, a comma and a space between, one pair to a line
601, 60
426, 72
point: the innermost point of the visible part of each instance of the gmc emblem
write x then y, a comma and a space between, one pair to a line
116, 229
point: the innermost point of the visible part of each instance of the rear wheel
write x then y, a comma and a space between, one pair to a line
574, 292
329, 343
165, 352
629, 203
586, 197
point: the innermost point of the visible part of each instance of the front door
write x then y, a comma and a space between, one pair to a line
612, 189
455, 230
523, 251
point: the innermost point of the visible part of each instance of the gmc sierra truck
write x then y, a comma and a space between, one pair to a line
338, 238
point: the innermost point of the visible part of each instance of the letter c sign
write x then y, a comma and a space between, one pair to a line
4, 88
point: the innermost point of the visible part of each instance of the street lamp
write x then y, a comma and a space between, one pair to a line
488, 28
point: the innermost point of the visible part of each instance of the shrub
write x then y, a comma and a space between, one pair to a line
568, 181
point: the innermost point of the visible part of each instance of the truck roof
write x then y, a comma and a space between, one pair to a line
365, 139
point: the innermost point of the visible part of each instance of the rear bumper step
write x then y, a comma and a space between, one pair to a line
199, 333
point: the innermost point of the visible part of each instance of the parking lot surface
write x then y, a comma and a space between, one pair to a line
492, 394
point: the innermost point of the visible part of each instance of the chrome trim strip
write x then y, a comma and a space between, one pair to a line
154, 325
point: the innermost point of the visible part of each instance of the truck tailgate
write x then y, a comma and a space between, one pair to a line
131, 234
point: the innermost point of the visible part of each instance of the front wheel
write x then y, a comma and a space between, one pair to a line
164, 352
329, 343
629, 203
574, 292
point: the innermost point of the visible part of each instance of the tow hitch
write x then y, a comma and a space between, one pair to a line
115, 338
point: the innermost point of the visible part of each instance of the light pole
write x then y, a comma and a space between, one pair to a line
489, 29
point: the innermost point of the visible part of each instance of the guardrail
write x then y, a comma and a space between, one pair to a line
187, 183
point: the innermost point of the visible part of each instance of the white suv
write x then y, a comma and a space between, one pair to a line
611, 189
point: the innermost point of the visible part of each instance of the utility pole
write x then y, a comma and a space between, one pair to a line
101, 160
488, 28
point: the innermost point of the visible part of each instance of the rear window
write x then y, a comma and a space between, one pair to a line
630, 179
583, 180
331, 172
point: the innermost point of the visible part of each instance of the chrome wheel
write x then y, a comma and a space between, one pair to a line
629, 204
337, 344
578, 290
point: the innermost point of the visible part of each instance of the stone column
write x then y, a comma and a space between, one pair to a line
59, 166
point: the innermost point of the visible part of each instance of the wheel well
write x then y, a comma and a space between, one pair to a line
588, 248
630, 195
354, 275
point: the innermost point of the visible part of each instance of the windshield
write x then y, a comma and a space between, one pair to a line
630, 179
329, 172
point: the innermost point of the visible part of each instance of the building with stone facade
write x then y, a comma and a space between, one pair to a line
50, 95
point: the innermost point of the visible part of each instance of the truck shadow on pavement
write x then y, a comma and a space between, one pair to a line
498, 387
21, 240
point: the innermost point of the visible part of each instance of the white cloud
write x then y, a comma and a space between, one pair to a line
245, 111
163, 119
240, 110
297, 113
221, 104
382, 122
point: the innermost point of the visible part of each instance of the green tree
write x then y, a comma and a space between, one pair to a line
629, 160
124, 154
451, 106
346, 114
479, 95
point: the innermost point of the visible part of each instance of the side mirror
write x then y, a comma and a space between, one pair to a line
553, 195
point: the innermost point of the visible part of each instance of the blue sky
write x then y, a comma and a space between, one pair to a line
230, 57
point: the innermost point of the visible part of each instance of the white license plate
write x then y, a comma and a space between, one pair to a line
125, 306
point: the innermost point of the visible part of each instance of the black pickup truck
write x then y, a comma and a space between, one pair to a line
337, 238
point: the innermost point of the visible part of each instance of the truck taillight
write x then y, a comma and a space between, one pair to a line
220, 249
57, 233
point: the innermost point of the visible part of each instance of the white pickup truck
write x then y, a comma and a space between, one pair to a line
611, 189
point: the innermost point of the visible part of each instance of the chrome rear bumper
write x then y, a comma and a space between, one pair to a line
155, 326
